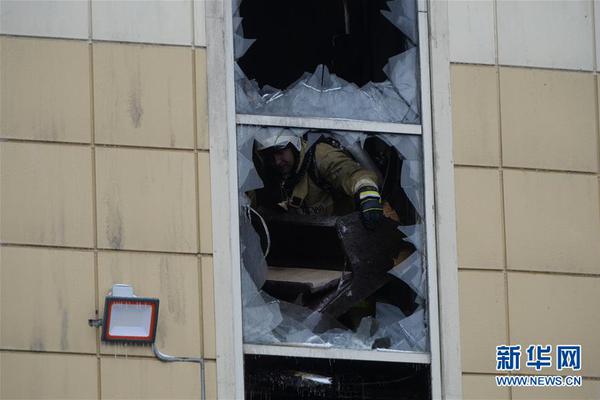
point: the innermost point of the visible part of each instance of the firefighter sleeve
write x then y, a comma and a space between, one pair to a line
340, 170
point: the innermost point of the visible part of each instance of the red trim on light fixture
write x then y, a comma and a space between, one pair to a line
110, 301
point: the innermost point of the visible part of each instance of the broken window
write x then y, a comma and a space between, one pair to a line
322, 278
353, 59
331, 212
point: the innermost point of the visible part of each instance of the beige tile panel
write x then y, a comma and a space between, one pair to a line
480, 238
205, 211
590, 390
552, 221
146, 200
131, 378
173, 279
149, 21
483, 387
550, 34
201, 97
208, 307
556, 309
46, 298
482, 319
48, 376
46, 195
597, 29
143, 95
548, 119
45, 89
55, 18
471, 31
475, 115
200, 23
211, 379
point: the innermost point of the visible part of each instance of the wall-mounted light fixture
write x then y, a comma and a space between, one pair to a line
132, 319
128, 318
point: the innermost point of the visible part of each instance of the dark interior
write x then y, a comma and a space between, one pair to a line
315, 242
390, 164
286, 378
351, 37
289, 244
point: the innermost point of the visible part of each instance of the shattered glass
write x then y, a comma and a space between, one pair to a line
318, 92
268, 319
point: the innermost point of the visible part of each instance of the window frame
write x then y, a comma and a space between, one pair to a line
223, 121
329, 123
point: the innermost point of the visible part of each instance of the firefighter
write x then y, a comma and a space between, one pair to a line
321, 179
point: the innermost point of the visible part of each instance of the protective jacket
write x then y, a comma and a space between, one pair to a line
325, 181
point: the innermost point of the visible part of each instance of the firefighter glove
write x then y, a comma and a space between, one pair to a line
369, 204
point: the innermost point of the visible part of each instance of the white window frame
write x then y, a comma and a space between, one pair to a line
443, 315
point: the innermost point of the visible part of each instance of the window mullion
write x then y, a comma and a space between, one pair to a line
329, 123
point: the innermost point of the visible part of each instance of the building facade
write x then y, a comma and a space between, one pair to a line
119, 165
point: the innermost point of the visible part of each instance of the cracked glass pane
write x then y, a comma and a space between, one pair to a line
332, 238
275, 378
353, 59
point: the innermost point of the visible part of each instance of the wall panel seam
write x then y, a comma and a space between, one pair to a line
142, 43
528, 67
536, 272
199, 263
54, 352
94, 210
102, 249
103, 145
37, 141
16, 36
531, 271
526, 169
594, 34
